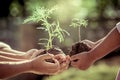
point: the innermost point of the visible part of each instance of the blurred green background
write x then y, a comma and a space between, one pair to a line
102, 15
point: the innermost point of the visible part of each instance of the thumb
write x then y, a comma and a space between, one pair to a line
74, 57
32, 51
38, 52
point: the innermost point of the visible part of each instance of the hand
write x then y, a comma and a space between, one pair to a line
40, 66
32, 53
4, 46
82, 61
89, 43
64, 61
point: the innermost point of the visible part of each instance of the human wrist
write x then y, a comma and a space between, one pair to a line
20, 67
23, 56
33, 66
30, 66
25, 66
93, 56
118, 26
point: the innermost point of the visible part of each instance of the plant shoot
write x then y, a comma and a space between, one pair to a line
77, 23
43, 16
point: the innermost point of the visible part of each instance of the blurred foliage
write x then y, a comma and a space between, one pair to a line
15, 8
42, 15
66, 9
98, 72
79, 8
95, 11
77, 23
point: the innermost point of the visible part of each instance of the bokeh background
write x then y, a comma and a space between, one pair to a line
102, 15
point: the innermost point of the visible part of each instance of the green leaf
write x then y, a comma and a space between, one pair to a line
42, 44
42, 28
43, 39
79, 22
64, 31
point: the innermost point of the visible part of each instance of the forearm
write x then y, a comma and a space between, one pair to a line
6, 48
98, 42
11, 51
11, 55
8, 59
9, 69
111, 42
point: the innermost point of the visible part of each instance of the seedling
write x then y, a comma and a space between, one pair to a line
43, 15
79, 46
78, 23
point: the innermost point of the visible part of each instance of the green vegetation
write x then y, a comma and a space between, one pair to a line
98, 72
77, 23
43, 16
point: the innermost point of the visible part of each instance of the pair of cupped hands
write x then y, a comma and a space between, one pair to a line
39, 65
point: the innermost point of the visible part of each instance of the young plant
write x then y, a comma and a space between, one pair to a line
43, 15
77, 23
80, 46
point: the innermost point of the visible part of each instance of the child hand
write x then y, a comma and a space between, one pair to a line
82, 60
89, 43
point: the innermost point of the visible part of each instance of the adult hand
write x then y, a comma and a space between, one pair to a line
41, 66
82, 60
32, 53
4, 46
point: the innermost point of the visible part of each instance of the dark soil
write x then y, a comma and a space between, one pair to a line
54, 51
79, 47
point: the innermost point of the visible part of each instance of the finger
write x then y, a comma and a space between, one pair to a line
74, 63
4, 45
46, 56
53, 66
65, 64
37, 53
60, 57
74, 57
32, 51
88, 41
68, 57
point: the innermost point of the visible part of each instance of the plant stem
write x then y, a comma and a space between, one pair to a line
79, 33
49, 44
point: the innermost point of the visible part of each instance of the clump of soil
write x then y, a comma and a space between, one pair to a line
54, 51
79, 47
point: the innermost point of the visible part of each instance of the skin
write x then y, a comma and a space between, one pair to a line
7, 51
13, 62
8, 56
36, 65
64, 61
105, 46
91, 43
